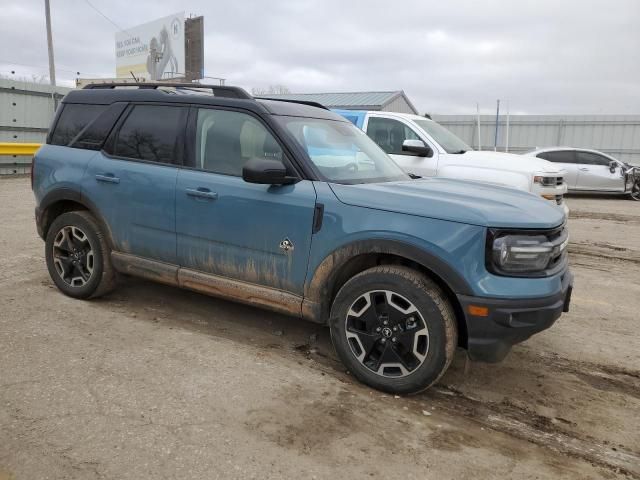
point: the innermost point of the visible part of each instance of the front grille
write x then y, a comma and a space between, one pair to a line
552, 181
559, 239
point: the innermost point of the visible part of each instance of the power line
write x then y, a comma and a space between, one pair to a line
40, 67
106, 18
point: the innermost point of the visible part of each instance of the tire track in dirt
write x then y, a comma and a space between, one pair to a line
610, 217
604, 251
521, 422
524, 424
602, 377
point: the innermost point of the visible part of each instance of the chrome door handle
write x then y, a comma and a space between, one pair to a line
201, 193
584, 169
107, 178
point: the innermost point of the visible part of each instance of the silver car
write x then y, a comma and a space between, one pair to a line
591, 171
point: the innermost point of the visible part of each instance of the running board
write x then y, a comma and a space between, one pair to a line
214, 285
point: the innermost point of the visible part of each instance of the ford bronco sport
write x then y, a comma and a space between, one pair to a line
290, 207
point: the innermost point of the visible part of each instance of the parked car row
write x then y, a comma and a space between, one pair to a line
290, 207
423, 147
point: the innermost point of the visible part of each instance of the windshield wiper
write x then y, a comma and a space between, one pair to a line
459, 152
413, 176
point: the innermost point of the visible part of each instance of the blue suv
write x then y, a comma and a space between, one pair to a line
290, 207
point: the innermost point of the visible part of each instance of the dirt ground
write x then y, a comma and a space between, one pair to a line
153, 382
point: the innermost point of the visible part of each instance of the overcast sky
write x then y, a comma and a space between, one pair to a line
552, 56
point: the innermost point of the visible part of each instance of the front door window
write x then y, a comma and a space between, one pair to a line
389, 134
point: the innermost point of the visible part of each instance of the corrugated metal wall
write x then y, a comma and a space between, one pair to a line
617, 135
399, 105
26, 110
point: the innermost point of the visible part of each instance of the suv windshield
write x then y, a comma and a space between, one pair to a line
443, 137
342, 152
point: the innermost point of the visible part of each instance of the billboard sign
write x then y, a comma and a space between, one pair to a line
153, 51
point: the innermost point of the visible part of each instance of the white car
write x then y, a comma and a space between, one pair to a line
591, 171
425, 148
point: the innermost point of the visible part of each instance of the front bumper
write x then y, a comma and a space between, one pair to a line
511, 321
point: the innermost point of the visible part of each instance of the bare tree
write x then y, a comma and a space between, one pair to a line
270, 90
24, 78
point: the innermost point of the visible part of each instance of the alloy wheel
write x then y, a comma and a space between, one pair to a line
387, 333
73, 256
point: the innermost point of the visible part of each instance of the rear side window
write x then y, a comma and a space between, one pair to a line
560, 156
73, 118
152, 133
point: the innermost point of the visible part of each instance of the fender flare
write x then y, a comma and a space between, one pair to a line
318, 289
62, 194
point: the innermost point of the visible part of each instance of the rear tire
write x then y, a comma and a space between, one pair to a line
78, 256
394, 329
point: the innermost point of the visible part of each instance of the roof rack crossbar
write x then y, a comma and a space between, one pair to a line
217, 90
303, 102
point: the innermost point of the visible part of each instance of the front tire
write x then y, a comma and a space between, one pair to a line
77, 256
394, 329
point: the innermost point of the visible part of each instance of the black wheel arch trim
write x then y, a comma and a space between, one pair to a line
68, 194
319, 288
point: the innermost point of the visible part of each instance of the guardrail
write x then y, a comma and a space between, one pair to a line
15, 149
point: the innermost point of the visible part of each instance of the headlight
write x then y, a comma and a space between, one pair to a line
518, 253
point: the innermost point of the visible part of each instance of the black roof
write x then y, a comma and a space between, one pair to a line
106, 94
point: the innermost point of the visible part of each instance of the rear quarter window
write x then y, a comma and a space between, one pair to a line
73, 118
95, 134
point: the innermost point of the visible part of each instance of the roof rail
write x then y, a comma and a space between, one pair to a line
217, 90
303, 102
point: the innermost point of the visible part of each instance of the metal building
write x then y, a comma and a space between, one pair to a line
617, 135
396, 101
26, 110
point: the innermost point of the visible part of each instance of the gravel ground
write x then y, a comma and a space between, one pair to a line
154, 382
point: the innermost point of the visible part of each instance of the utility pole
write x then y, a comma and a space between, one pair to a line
495, 139
506, 142
478, 113
52, 69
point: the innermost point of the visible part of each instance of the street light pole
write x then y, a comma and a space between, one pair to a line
52, 69
495, 139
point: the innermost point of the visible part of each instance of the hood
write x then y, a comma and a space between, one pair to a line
455, 200
505, 161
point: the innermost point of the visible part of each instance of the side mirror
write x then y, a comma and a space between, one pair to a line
612, 166
418, 147
266, 172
